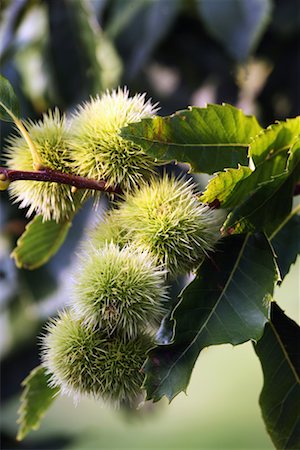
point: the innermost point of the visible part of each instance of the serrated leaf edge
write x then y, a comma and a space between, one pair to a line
14, 253
23, 408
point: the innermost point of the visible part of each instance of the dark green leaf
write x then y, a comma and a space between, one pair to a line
226, 303
92, 64
209, 139
278, 351
14, 15
9, 105
237, 24
122, 14
266, 207
104, 65
275, 138
40, 241
36, 398
286, 244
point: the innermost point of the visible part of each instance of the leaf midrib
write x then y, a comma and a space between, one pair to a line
286, 355
174, 144
210, 314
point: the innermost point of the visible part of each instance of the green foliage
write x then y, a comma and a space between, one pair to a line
40, 241
278, 351
276, 138
144, 14
223, 186
270, 151
104, 63
286, 243
156, 231
36, 398
236, 24
9, 105
9, 111
209, 139
228, 302
267, 206
233, 186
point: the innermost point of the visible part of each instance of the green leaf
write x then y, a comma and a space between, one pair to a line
209, 139
231, 187
222, 185
104, 64
92, 62
275, 138
266, 207
122, 15
286, 244
226, 303
236, 24
39, 242
9, 105
278, 351
9, 112
269, 150
36, 398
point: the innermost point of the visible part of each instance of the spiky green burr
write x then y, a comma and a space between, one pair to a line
119, 290
166, 217
106, 231
97, 149
83, 361
50, 137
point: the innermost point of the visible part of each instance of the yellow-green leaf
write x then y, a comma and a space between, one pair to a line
9, 105
274, 139
209, 139
40, 241
36, 398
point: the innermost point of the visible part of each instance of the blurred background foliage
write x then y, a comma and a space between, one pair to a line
181, 52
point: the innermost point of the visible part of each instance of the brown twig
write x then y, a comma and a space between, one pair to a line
54, 176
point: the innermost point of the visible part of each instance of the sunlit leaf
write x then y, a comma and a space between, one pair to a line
209, 139
277, 137
267, 206
222, 185
231, 187
269, 150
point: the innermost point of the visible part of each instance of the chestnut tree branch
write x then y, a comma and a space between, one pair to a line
54, 176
